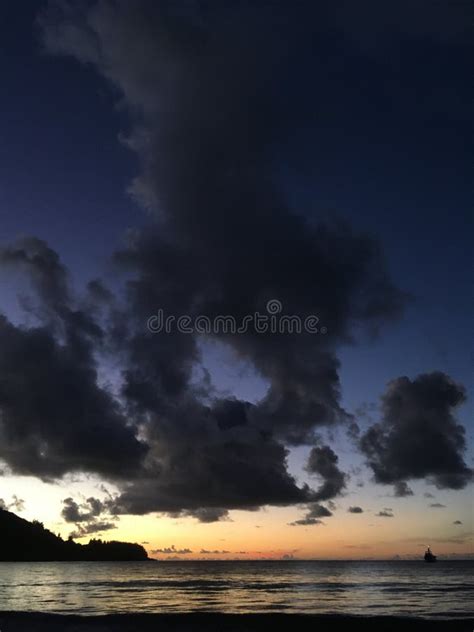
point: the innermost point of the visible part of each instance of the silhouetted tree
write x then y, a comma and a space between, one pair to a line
23, 541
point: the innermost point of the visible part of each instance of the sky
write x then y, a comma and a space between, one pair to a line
224, 159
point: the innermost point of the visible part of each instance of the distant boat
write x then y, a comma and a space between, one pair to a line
429, 557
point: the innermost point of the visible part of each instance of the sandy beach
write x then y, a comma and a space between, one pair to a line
210, 622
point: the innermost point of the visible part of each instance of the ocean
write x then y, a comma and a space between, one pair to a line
395, 588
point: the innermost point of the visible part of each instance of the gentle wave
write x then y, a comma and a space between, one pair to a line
223, 584
444, 591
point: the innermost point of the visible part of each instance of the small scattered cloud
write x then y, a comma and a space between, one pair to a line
90, 516
355, 510
305, 522
385, 513
16, 504
437, 506
312, 517
92, 527
171, 550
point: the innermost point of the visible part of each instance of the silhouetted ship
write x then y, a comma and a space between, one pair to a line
23, 541
429, 557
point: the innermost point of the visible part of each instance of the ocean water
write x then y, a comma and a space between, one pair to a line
395, 588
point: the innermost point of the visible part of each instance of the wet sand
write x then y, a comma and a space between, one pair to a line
215, 622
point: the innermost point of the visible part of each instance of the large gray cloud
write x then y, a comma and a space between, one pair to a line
201, 470
419, 436
201, 86
55, 417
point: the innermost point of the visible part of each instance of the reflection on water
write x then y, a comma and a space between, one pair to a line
363, 588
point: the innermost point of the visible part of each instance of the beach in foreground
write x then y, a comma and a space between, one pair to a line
210, 622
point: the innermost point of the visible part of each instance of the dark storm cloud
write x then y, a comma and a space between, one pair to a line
54, 416
202, 87
322, 461
419, 436
355, 510
238, 472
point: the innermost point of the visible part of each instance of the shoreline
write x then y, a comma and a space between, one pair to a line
209, 622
